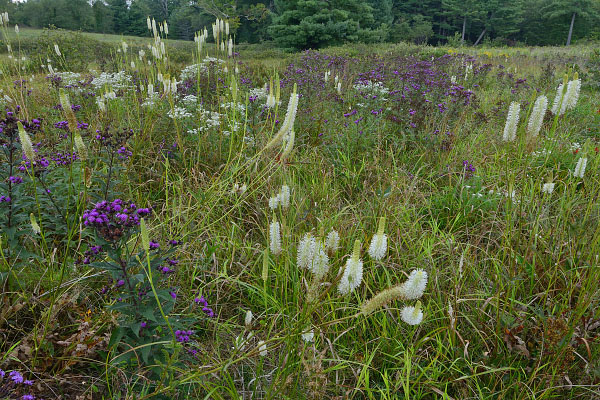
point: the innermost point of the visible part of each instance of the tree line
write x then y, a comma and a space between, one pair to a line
301, 24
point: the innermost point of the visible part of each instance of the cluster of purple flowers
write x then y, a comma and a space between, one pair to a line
468, 169
91, 253
202, 301
183, 336
4, 199
65, 125
123, 153
41, 163
15, 180
13, 384
112, 218
166, 269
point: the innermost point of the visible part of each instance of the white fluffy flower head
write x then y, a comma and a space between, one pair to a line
412, 315
275, 237
537, 116
306, 251
548, 187
333, 241
378, 247
580, 167
353, 273
414, 287
512, 122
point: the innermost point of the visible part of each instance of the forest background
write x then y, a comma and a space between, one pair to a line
303, 24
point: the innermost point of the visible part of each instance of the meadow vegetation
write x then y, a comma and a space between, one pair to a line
187, 221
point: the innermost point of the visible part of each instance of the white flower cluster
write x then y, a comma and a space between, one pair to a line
580, 167
566, 99
116, 80
179, 113
190, 101
282, 198
512, 122
69, 78
191, 71
353, 273
259, 93
537, 116
371, 87
312, 255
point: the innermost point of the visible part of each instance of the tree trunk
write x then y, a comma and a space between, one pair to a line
571, 30
480, 37
464, 29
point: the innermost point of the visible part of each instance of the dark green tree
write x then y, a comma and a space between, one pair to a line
559, 9
302, 24
120, 15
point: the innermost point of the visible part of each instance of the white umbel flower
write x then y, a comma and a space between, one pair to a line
548, 188
353, 273
306, 251
378, 246
333, 241
414, 287
412, 315
512, 122
572, 96
537, 116
580, 167
275, 237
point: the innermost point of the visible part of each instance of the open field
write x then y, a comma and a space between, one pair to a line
166, 221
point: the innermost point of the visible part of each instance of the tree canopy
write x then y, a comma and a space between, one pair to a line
301, 24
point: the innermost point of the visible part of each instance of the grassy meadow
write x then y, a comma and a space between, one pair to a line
167, 219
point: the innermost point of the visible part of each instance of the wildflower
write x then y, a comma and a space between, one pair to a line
378, 246
16, 29
572, 95
548, 188
306, 251
34, 225
25, 142
412, 315
339, 87
308, 336
288, 146
230, 48
284, 196
57, 50
288, 122
353, 273
262, 348
183, 336
414, 287
320, 262
248, 319
149, 23
80, 146
560, 100
537, 116
273, 202
580, 167
333, 240
275, 237
512, 122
